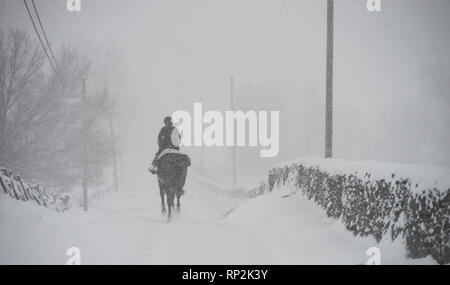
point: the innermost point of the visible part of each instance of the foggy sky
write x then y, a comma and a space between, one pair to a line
391, 85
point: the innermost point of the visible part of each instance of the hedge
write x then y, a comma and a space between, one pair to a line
375, 199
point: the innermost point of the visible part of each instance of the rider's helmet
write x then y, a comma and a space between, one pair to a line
168, 121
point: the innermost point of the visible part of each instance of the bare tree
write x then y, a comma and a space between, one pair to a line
41, 113
21, 63
111, 75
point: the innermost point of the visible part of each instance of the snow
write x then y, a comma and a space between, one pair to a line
421, 177
127, 228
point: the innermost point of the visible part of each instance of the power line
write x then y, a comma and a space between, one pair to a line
45, 35
39, 37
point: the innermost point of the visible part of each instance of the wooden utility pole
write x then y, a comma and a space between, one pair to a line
122, 165
329, 82
84, 138
235, 139
113, 147
202, 150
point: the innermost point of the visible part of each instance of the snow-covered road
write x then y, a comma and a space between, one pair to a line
127, 228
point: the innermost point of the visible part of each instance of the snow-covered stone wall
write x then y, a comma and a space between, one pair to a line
15, 187
376, 199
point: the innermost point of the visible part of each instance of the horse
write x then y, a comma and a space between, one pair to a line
171, 173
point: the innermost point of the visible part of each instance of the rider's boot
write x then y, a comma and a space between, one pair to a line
153, 170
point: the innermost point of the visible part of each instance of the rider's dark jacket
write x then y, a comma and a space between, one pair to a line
164, 140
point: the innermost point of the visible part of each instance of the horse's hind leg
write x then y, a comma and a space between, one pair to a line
163, 205
180, 185
170, 202
178, 201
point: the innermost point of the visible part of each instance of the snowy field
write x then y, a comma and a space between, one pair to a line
127, 228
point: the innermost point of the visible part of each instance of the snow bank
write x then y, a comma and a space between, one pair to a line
109, 233
376, 199
224, 198
230, 192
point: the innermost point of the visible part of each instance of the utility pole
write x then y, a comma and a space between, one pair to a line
122, 165
234, 144
84, 138
202, 150
113, 146
120, 160
329, 82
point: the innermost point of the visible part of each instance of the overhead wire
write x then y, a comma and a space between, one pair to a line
39, 37
45, 35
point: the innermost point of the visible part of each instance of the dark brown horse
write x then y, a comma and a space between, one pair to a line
172, 172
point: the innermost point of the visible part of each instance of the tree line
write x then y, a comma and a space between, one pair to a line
48, 131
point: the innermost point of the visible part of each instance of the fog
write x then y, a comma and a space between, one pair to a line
391, 84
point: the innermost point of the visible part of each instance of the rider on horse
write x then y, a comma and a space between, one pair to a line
170, 165
167, 135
